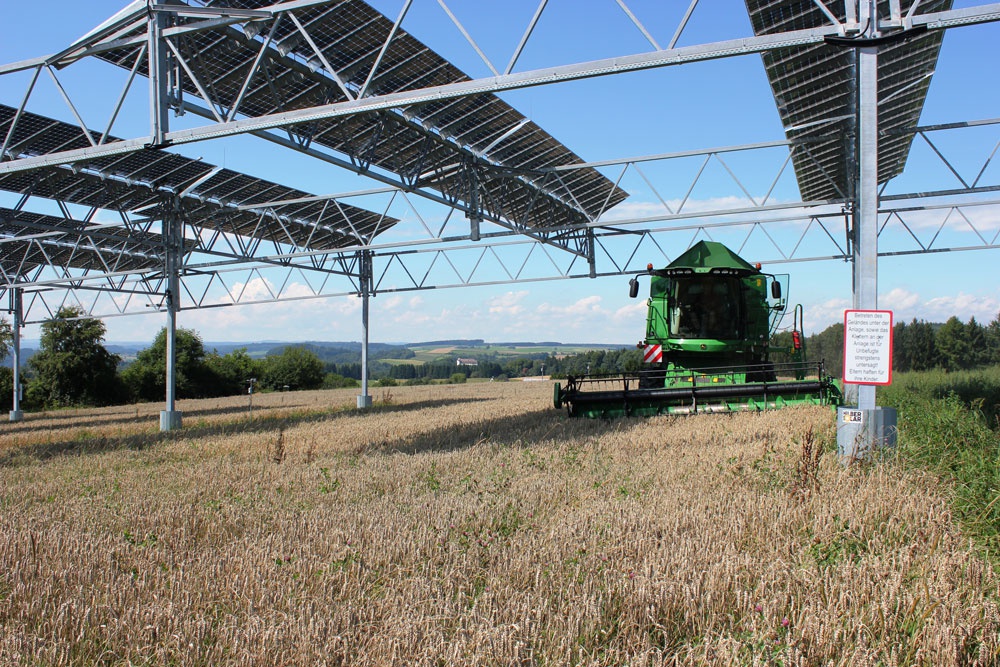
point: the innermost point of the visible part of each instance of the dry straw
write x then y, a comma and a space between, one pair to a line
472, 525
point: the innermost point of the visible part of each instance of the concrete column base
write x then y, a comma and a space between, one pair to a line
170, 420
16, 415
364, 402
864, 433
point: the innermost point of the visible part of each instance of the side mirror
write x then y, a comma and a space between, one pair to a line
775, 290
633, 288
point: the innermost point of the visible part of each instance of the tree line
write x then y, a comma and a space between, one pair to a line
493, 366
916, 346
73, 368
490, 365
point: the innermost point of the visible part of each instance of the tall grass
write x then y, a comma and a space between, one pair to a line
949, 425
979, 390
474, 525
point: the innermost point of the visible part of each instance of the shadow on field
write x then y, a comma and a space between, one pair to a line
63, 421
90, 443
547, 425
47, 421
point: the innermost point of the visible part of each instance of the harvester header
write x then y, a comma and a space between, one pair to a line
711, 315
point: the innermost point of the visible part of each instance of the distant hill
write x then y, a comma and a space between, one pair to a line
346, 353
26, 353
337, 352
458, 342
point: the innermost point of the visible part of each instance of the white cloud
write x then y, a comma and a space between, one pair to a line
390, 302
906, 306
297, 290
588, 305
632, 310
415, 321
963, 306
819, 316
255, 289
899, 299
334, 318
651, 209
508, 304
966, 219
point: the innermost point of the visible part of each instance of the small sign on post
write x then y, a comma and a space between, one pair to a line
868, 347
868, 361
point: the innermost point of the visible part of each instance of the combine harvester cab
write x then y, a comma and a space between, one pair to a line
707, 347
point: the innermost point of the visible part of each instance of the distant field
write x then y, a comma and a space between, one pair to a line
472, 525
543, 349
425, 354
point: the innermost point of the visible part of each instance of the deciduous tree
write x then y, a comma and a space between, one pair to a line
146, 377
6, 338
233, 371
72, 366
294, 368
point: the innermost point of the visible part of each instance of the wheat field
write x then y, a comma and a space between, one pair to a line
472, 525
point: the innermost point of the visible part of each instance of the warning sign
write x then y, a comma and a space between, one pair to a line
868, 347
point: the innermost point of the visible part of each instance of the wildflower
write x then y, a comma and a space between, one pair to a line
758, 608
785, 622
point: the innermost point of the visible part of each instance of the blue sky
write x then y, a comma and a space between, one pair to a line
712, 104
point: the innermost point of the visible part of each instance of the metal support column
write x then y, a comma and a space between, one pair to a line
17, 312
365, 280
876, 428
170, 418
591, 253
475, 214
866, 222
173, 229
158, 107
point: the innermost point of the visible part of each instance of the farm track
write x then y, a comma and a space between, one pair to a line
472, 525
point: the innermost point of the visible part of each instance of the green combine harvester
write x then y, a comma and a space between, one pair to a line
707, 348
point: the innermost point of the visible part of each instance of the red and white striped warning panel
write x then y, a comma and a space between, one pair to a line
653, 354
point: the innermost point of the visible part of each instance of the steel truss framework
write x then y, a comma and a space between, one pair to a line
214, 206
339, 82
97, 272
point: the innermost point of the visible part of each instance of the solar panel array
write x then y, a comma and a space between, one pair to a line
143, 182
29, 240
435, 145
814, 84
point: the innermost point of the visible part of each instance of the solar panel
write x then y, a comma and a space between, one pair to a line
29, 240
213, 198
814, 85
422, 143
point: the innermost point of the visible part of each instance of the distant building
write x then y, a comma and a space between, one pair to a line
466, 362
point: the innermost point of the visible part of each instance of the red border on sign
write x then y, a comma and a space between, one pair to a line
843, 369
